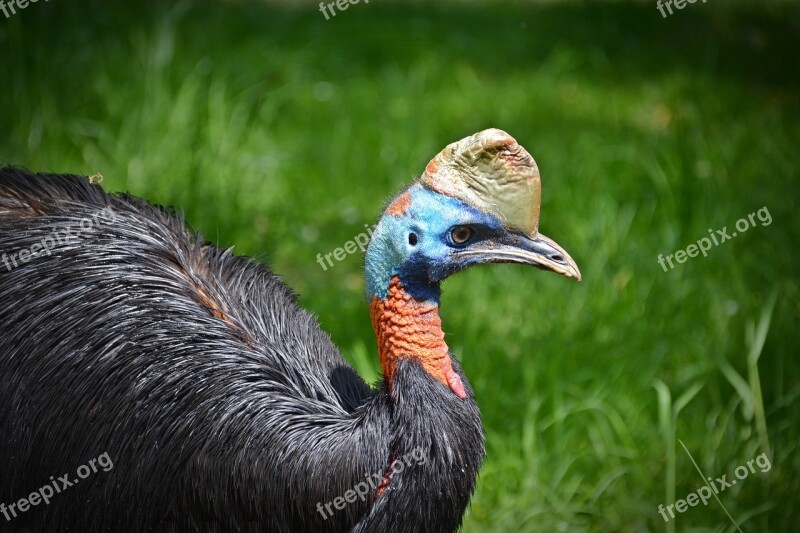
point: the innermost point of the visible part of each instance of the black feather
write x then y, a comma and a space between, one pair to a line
222, 404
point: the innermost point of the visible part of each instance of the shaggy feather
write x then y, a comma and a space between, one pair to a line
222, 404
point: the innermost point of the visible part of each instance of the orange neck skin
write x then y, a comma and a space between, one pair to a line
411, 328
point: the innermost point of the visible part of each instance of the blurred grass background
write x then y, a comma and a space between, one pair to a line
283, 133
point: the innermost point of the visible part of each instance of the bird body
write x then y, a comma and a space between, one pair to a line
222, 403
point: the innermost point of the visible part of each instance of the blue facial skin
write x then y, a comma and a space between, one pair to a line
431, 217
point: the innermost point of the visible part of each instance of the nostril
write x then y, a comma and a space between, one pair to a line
558, 257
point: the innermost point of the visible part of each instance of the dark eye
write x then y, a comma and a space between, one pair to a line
461, 234
412, 239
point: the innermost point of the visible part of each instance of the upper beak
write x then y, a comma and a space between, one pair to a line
539, 251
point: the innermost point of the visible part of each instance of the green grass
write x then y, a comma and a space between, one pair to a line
283, 134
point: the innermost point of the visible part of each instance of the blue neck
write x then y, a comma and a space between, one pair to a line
425, 217
383, 262
389, 254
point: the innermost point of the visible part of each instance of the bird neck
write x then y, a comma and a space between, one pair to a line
410, 327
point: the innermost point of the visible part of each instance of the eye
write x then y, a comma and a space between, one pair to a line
412, 239
462, 234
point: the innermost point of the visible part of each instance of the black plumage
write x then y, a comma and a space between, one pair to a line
222, 404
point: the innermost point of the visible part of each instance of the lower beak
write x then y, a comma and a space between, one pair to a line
539, 251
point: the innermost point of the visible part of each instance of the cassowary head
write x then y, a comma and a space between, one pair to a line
477, 202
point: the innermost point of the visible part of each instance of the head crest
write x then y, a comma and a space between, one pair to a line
491, 172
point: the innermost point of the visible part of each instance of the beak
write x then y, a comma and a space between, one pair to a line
539, 251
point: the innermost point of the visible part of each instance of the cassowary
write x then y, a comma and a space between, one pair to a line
220, 403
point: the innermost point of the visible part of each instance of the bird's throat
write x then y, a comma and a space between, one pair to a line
408, 327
